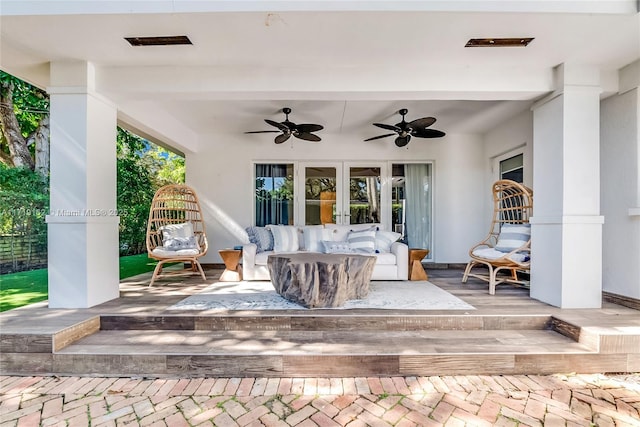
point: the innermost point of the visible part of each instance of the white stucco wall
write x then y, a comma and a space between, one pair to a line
512, 137
221, 172
620, 192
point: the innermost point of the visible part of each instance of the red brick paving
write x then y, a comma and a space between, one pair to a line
521, 400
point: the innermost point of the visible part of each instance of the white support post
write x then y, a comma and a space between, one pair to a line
83, 222
566, 240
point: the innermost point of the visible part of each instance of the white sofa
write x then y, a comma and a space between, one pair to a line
392, 257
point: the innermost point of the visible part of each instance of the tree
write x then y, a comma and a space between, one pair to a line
142, 169
24, 116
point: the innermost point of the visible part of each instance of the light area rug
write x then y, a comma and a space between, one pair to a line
260, 295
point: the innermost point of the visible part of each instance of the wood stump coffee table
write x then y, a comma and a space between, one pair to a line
316, 280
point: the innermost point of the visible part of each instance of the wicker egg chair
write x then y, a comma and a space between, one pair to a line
507, 247
176, 229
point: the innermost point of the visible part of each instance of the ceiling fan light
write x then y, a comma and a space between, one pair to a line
499, 42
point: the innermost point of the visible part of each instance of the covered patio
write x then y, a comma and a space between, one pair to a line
507, 333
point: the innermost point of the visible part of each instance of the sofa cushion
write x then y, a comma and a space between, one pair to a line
385, 258
285, 238
363, 240
384, 240
261, 237
261, 257
513, 236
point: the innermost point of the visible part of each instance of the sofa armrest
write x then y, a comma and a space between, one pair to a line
401, 251
249, 251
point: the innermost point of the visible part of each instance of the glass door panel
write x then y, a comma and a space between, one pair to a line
363, 192
321, 183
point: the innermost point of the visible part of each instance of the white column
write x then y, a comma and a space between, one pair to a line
82, 225
566, 234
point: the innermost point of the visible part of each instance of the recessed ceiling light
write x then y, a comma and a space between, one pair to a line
499, 42
158, 40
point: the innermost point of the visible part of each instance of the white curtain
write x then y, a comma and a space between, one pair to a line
418, 205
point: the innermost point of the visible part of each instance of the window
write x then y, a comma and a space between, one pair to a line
274, 194
512, 168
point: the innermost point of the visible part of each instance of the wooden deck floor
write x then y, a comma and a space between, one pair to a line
507, 333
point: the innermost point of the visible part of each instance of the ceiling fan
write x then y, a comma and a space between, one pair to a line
288, 128
405, 130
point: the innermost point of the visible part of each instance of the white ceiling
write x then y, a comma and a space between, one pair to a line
344, 69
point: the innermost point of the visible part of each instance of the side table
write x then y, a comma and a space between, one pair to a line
416, 270
233, 269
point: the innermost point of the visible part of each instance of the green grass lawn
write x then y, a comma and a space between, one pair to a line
27, 287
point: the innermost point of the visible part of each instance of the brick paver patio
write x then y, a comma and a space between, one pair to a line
520, 400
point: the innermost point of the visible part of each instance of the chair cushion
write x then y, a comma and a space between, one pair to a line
285, 238
513, 236
261, 237
492, 254
161, 252
384, 240
362, 241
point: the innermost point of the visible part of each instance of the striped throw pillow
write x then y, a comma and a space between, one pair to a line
513, 236
313, 235
363, 240
384, 240
285, 238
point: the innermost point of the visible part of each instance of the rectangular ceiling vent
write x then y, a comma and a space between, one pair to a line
158, 40
499, 42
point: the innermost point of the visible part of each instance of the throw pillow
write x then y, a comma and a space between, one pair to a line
179, 243
384, 240
513, 236
363, 241
285, 238
331, 247
172, 231
261, 237
313, 235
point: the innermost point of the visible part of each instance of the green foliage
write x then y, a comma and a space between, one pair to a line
142, 169
25, 203
29, 104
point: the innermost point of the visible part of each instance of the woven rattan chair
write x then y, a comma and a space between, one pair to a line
176, 230
508, 244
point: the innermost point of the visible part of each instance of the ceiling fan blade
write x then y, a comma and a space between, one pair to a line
308, 128
307, 136
401, 142
281, 138
422, 123
388, 127
428, 133
380, 136
276, 124
264, 131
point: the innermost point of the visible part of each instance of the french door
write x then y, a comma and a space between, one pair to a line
341, 192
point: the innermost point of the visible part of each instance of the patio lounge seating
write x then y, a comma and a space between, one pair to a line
508, 244
176, 230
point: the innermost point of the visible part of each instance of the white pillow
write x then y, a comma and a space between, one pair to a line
313, 235
285, 238
513, 236
172, 231
331, 247
384, 240
179, 243
362, 241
